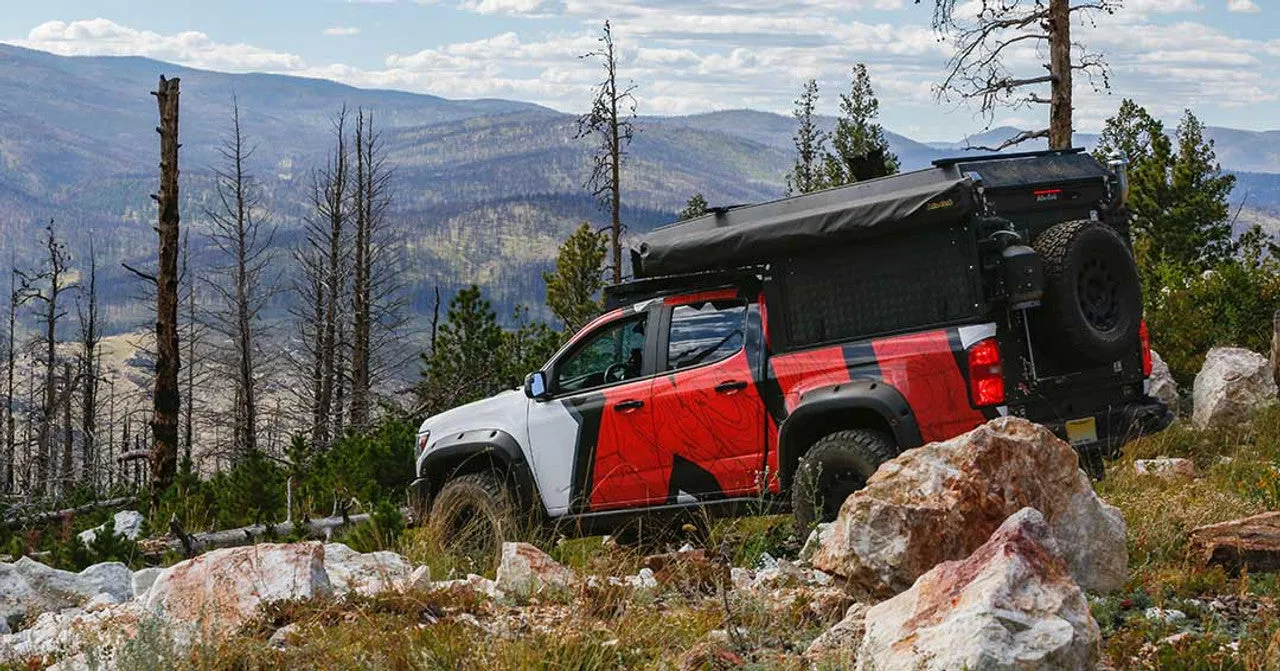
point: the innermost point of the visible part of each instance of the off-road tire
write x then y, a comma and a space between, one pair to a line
474, 514
833, 468
1092, 305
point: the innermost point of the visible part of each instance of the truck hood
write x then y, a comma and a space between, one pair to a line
505, 412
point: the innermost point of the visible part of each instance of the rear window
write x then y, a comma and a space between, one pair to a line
705, 332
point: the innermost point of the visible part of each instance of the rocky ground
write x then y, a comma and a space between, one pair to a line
988, 551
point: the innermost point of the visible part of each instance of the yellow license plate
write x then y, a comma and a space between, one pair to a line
1082, 431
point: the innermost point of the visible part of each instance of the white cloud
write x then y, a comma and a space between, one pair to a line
102, 37
341, 31
529, 7
1243, 6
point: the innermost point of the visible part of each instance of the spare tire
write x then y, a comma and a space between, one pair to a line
1092, 305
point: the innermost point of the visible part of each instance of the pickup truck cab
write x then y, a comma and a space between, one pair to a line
783, 351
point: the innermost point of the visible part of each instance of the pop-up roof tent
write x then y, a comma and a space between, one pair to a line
755, 234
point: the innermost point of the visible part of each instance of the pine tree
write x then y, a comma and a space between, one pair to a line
464, 365
861, 150
807, 173
525, 348
1178, 195
696, 207
573, 288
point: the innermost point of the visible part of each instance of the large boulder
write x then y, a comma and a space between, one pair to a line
365, 573
28, 587
1251, 542
942, 501
222, 589
127, 523
1232, 385
17, 598
525, 570
1011, 605
1160, 384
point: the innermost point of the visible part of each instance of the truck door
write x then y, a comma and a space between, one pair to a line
589, 440
708, 414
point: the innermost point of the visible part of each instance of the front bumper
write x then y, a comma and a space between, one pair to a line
1118, 425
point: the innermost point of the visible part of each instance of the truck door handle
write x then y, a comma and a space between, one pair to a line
730, 386
628, 405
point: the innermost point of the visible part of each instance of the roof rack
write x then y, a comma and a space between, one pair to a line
944, 162
635, 291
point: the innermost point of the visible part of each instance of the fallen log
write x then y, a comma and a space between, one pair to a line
12, 518
193, 544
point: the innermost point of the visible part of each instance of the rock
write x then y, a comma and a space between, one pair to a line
365, 573
741, 578
644, 579
1160, 384
143, 579
4, 627
1011, 605
472, 584
127, 523
285, 636
17, 598
59, 589
942, 501
419, 580
66, 634
1165, 615
222, 589
839, 644
525, 570
1252, 543
1230, 387
1169, 468
814, 541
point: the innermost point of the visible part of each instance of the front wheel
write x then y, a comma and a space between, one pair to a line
474, 514
836, 466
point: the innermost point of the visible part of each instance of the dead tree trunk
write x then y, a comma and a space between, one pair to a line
1060, 70
360, 287
89, 338
10, 453
164, 422
46, 287
1275, 348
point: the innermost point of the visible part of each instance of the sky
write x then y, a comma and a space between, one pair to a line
1220, 58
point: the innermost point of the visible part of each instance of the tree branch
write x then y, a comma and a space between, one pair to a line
1016, 139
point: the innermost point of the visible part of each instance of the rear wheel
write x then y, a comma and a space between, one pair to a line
836, 466
474, 514
1092, 306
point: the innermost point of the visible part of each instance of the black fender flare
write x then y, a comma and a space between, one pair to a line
479, 449
832, 405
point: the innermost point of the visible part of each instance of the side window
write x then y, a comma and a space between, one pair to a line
705, 332
611, 355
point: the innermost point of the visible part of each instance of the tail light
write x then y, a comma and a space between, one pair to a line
424, 439
1145, 337
986, 373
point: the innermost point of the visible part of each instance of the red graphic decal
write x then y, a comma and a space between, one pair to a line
799, 372
713, 417
923, 368
625, 439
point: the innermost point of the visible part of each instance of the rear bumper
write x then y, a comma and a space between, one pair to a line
1118, 425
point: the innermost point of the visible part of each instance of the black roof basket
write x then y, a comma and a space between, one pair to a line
945, 162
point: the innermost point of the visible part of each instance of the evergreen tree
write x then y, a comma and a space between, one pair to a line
1178, 194
464, 366
526, 347
574, 286
807, 173
696, 207
858, 139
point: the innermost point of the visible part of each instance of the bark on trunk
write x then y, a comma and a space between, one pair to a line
1060, 70
164, 423
1275, 348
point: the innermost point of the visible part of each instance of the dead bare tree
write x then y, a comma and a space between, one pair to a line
10, 352
610, 119
323, 284
90, 366
241, 283
1005, 31
377, 288
166, 399
46, 287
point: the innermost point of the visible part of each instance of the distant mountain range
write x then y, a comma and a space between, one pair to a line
485, 189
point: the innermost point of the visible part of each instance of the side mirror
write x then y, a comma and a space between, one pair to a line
535, 385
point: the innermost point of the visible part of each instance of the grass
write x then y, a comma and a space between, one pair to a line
1231, 620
